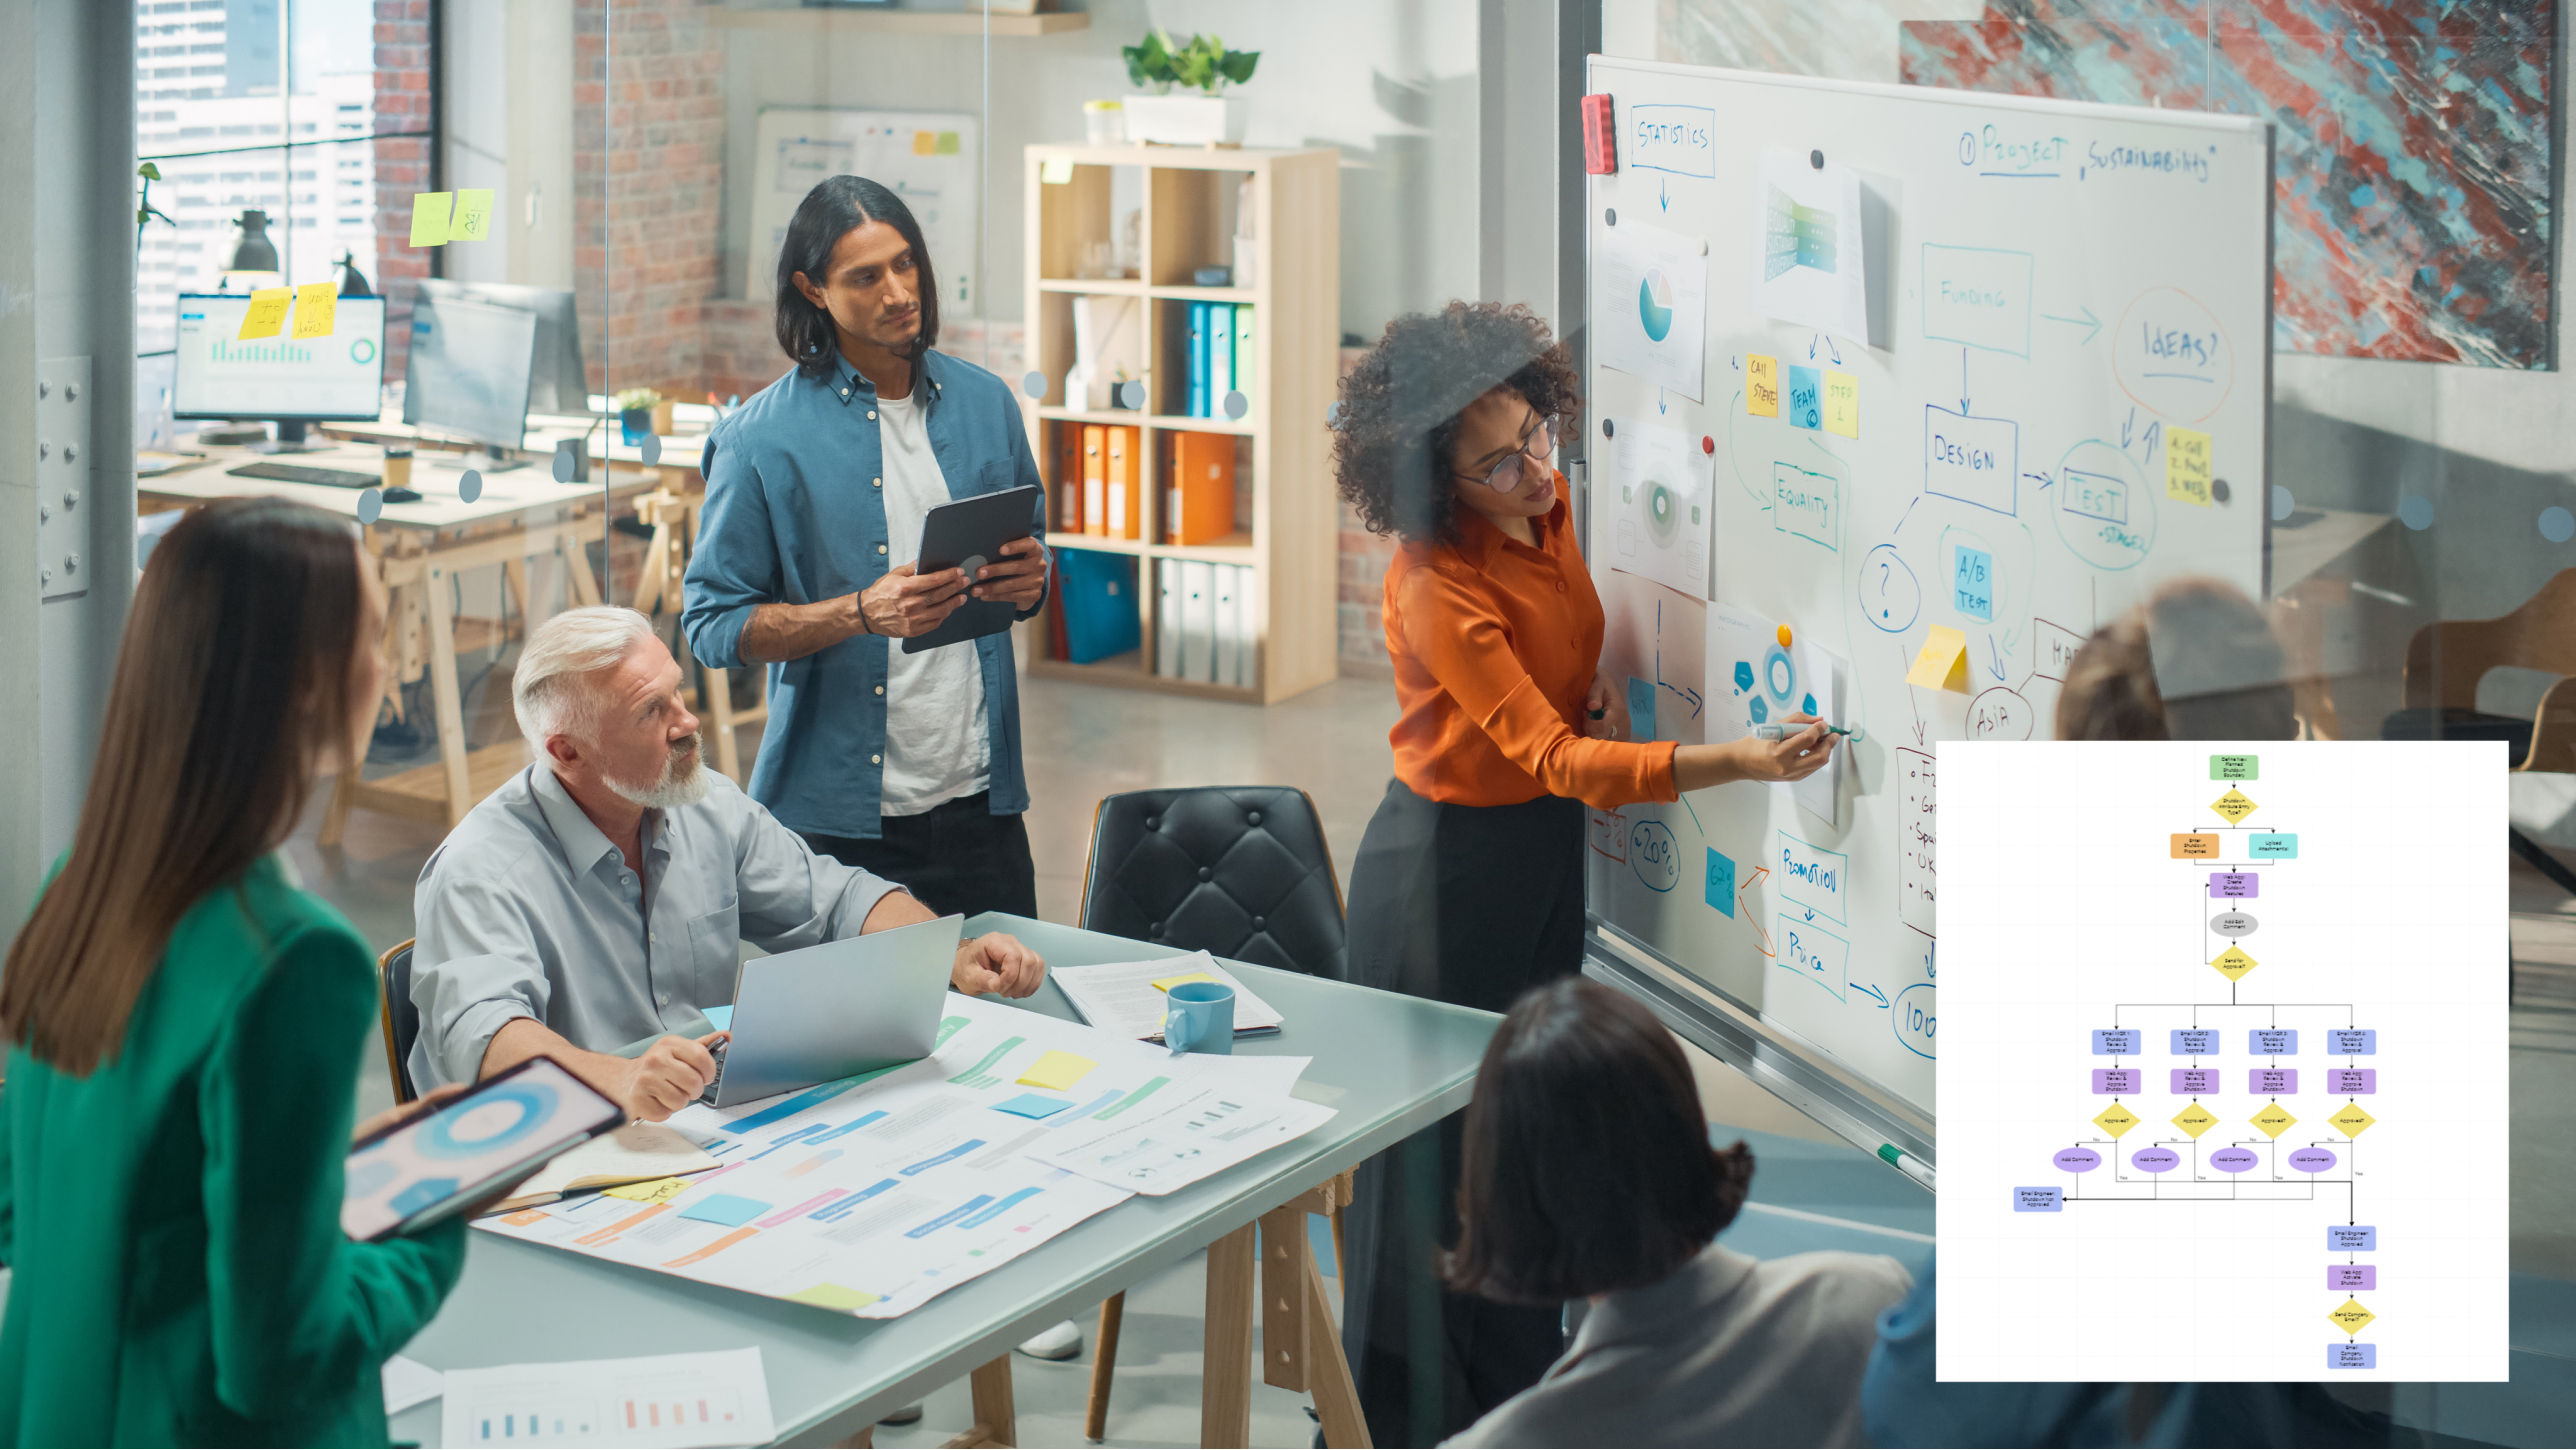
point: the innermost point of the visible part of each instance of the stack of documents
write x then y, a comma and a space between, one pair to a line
1127, 997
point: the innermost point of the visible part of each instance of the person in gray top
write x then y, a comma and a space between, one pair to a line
597, 901
1588, 1174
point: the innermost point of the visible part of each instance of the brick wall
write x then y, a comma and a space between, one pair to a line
402, 167
1361, 589
648, 158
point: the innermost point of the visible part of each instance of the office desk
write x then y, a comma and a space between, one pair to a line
1389, 1064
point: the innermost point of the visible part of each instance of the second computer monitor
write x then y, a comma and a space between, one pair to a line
468, 371
556, 381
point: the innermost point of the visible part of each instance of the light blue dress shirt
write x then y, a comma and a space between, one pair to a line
529, 910
795, 514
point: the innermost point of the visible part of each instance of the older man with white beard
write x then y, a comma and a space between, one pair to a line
591, 907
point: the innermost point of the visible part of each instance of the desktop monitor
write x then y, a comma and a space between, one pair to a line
467, 375
557, 382
295, 381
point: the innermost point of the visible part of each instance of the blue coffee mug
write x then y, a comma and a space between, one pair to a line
1199, 1017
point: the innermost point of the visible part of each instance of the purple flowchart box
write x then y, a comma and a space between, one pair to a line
2352, 1081
2273, 1042
2039, 1200
2272, 1080
2351, 1238
2352, 1042
2115, 1079
2195, 1041
2352, 1356
2351, 1278
2235, 885
2118, 1042
2195, 1080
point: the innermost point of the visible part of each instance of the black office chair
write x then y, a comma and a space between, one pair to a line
1239, 871
401, 1018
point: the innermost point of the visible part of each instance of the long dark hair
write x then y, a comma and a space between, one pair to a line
1587, 1167
234, 675
835, 207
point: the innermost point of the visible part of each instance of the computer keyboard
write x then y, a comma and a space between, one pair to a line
305, 473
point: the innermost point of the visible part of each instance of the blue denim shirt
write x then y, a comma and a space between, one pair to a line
794, 516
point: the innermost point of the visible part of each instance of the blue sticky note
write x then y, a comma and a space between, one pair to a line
1972, 583
722, 1017
1030, 1105
1641, 709
1721, 882
730, 1209
1806, 400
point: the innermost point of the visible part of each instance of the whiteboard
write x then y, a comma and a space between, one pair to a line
2045, 392
926, 157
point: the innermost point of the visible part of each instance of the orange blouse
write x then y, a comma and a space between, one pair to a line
1495, 644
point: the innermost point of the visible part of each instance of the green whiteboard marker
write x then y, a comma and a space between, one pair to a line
1906, 1163
1783, 732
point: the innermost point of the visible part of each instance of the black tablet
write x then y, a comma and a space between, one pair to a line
969, 534
437, 1165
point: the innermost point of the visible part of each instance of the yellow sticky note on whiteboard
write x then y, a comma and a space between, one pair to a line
317, 309
266, 314
1842, 404
1057, 1070
1943, 661
1761, 386
473, 215
1165, 984
925, 143
2187, 466
429, 211
946, 144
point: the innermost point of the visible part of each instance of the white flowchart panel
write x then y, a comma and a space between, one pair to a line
2223, 1087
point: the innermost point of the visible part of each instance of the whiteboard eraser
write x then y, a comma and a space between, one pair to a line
1600, 143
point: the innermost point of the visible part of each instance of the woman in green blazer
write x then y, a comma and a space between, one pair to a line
185, 1024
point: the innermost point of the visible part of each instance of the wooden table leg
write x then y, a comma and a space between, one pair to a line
718, 705
441, 604
996, 1421
1337, 1399
1285, 1254
1225, 1393
1104, 1366
579, 582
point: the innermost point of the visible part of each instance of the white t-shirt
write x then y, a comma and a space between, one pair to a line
937, 747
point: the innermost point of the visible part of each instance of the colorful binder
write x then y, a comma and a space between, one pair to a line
1095, 479
1243, 352
1068, 478
1220, 356
1199, 503
1125, 483
1198, 398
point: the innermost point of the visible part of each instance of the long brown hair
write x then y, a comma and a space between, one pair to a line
234, 675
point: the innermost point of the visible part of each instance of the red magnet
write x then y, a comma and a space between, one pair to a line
1600, 142
1707, 444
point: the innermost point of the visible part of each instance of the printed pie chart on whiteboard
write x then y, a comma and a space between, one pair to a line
1655, 304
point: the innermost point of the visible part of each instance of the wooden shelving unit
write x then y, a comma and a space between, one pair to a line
897, 22
1289, 537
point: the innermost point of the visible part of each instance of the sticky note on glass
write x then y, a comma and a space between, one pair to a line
1641, 709
1761, 386
1943, 662
2187, 466
1165, 984
1806, 397
658, 1190
266, 313
317, 309
429, 212
1972, 583
1719, 889
1057, 1070
925, 143
1842, 404
947, 144
1030, 1105
473, 221
1056, 170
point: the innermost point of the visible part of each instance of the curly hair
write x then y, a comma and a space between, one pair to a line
1398, 417
2196, 661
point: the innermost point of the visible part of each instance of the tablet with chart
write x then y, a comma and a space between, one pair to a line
1976, 373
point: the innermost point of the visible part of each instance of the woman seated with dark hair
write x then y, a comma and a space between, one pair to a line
1589, 1175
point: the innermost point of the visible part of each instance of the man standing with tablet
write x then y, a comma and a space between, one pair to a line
903, 764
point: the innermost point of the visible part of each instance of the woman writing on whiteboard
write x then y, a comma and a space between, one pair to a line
1469, 883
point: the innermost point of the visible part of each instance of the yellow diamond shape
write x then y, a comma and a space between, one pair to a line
2351, 1318
2116, 1120
2274, 1119
2195, 1120
2234, 806
2233, 964
2351, 1119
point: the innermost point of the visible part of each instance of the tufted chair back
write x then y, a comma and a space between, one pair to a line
1239, 871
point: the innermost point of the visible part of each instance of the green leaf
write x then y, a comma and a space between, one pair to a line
1237, 65
148, 171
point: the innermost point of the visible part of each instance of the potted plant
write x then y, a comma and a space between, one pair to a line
643, 411
1202, 114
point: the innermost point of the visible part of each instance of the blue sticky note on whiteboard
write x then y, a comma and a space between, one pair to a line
1972, 583
1806, 397
1641, 709
730, 1209
1721, 882
1030, 1105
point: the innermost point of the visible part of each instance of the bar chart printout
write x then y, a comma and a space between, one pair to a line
674, 1400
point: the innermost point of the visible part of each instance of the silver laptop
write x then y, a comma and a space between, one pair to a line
831, 1011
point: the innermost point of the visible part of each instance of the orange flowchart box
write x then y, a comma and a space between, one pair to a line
2194, 846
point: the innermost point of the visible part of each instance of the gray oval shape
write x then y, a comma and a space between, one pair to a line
2233, 923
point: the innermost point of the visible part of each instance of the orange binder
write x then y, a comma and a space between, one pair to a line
1095, 479
1200, 504
1068, 477
1126, 484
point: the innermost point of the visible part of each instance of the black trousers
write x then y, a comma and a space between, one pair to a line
1472, 905
957, 857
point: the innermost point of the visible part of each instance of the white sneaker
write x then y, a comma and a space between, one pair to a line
1064, 1341
908, 1415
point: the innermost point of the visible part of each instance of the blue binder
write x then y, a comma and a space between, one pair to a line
1101, 614
1198, 360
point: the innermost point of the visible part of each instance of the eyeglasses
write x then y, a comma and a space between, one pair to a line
1538, 443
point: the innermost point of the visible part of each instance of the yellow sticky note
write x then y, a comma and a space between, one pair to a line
1165, 984
1842, 404
1057, 1070
835, 1296
429, 211
267, 312
947, 144
1943, 662
317, 309
2187, 466
1056, 170
473, 215
658, 1190
925, 143
1761, 386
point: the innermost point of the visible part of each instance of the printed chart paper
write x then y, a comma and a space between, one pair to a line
1650, 305
1809, 259
1650, 511
2223, 1074
1121, 997
709, 1398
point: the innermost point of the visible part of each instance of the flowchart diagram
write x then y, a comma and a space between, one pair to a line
2211, 1118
